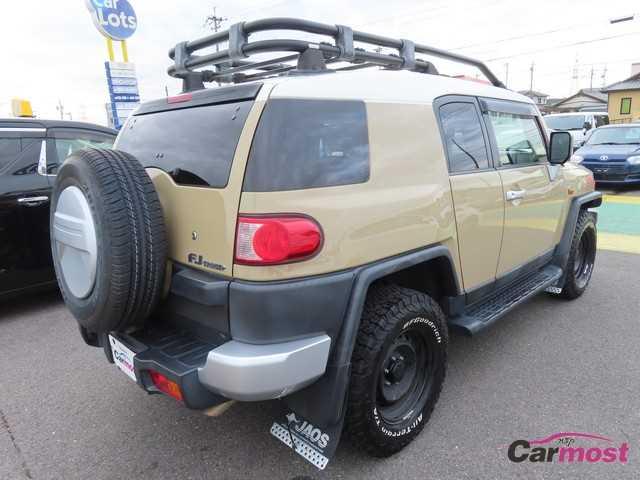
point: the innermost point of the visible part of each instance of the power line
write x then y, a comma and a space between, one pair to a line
556, 47
521, 37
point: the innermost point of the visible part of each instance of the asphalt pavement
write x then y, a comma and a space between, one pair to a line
550, 366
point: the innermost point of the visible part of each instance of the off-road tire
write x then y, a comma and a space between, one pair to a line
389, 313
586, 232
130, 235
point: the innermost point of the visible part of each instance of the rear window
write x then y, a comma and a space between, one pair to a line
303, 144
194, 145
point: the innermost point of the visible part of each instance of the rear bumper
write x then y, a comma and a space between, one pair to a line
242, 371
220, 339
208, 374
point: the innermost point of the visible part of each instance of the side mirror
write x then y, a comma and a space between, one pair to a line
560, 147
587, 126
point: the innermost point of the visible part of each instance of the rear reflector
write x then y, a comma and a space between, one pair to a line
165, 385
185, 97
276, 239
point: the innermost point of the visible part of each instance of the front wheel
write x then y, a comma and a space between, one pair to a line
398, 369
582, 257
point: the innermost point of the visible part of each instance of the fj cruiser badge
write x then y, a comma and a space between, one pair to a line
195, 259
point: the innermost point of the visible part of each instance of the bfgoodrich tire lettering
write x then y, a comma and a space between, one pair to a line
398, 369
130, 235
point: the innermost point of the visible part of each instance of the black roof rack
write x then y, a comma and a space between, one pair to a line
233, 64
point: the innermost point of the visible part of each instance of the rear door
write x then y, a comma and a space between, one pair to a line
533, 200
25, 255
476, 188
195, 150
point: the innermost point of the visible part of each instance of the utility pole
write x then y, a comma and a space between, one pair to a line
506, 74
214, 22
60, 108
604, 77
591, 80
531, 69
575, 76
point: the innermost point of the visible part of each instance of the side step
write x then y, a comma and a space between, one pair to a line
482, 314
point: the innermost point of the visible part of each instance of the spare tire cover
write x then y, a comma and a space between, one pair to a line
108, 239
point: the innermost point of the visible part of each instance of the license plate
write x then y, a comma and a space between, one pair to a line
123, 357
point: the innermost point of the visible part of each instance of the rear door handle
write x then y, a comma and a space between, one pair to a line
33, 201
515, 195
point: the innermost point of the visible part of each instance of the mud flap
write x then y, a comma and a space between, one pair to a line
315, 445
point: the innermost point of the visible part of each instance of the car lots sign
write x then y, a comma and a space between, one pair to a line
115, 19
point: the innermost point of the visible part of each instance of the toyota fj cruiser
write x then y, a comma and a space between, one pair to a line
311, 235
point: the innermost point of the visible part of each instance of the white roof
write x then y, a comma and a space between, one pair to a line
384, 86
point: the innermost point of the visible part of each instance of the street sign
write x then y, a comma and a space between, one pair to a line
123, 91
115, 19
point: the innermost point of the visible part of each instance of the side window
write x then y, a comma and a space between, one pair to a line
518, 138
303, 144
66, 142
9, 149
625, 106
465, 144
602, 120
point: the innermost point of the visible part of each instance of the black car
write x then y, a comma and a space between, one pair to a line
612, 153
30, 152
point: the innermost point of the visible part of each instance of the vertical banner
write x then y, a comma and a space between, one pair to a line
123, 91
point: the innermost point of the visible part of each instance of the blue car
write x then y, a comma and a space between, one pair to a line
612, 153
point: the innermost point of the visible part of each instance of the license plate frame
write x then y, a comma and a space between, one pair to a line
123, 357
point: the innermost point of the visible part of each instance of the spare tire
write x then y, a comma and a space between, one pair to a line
108, 239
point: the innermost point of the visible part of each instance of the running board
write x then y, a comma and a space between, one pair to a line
484, 313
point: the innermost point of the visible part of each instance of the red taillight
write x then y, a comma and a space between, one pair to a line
185, 97
277, 239
165, 385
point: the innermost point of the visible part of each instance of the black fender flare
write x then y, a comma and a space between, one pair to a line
561, 254
323, 403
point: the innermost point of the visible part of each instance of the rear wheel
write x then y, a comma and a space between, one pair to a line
581, 257
398, 368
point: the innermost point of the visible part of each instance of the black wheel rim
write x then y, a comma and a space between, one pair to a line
584, 259
405, 377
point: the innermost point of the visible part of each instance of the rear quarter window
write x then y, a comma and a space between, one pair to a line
301, 144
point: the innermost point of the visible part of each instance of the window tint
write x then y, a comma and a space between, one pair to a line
602, 120
625, 106
194, 145
9, 149
518, 138
65, 142
309, 143
466, 148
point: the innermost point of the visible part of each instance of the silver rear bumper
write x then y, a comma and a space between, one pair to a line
247, 372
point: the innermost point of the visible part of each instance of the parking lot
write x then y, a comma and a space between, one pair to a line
553, 366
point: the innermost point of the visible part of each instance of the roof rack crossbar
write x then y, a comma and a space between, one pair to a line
230, 60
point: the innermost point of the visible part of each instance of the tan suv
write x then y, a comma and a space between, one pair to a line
310, 234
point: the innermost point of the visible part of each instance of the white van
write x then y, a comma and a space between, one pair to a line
578, 124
